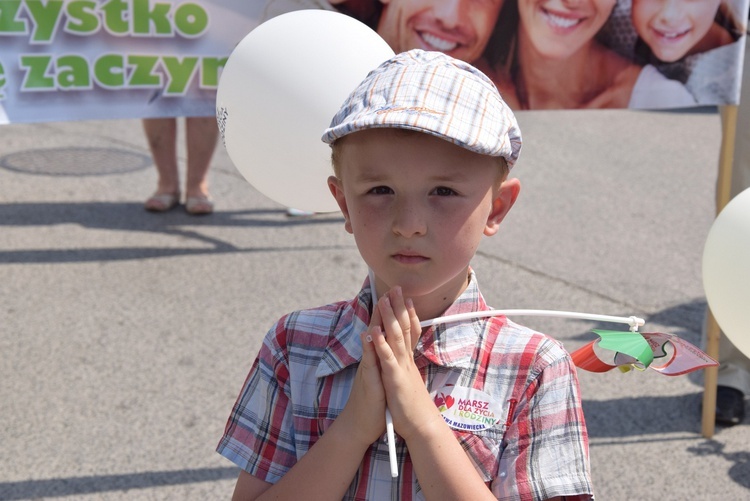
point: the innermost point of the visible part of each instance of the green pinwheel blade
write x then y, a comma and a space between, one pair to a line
628, 343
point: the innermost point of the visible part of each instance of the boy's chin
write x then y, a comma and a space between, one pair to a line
416, 288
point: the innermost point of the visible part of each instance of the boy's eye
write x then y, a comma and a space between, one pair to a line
442, 191
381, 190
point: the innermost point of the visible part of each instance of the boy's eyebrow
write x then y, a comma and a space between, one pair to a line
458, 175
368, 176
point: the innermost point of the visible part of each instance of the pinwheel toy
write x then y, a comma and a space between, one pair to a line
623, 349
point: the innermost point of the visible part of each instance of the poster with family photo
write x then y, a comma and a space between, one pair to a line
562, 54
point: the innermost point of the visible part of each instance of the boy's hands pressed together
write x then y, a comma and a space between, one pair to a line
406, 394
387, 375
440, 463
365, 409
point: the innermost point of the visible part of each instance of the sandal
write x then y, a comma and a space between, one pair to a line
161, 202
199, 206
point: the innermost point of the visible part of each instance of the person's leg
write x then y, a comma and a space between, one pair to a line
202, 135
161, 134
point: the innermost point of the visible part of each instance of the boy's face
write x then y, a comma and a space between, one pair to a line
460, 28
559, 28
418, 206
672, 27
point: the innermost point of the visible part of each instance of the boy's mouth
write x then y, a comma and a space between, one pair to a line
408, 257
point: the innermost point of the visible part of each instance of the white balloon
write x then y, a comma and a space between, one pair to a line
726, 270
278, 92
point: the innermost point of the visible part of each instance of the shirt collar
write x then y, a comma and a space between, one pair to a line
344, 347
451, 344
454, 344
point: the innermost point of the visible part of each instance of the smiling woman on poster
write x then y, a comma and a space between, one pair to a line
545, 55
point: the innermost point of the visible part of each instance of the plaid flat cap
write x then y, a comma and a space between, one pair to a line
434, 93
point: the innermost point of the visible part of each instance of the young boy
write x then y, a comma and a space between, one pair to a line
482, 408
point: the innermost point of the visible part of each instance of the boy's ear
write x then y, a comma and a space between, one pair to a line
501, 204
337, 190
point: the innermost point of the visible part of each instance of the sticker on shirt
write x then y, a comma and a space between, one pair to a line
468, 409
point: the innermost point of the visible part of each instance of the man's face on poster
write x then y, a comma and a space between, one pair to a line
460, 28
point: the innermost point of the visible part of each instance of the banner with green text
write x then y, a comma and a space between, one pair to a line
100, 59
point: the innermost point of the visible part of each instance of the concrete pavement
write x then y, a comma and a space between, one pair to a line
125, 336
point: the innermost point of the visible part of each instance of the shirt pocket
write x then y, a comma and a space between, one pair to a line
483, 448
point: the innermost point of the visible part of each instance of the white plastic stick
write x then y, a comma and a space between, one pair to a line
390, 435
633, 322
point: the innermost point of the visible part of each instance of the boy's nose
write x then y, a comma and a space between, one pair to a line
409, 220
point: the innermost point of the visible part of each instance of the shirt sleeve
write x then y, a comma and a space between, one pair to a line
546, 444
259, 435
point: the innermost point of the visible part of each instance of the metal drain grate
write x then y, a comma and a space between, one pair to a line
73, 161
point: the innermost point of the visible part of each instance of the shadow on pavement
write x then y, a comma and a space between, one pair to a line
638, 416
739, 471
664, 419
623, 417
132, 217
58, 487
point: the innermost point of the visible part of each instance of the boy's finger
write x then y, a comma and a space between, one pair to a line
398, 304
370, 363
376, 330
394, 333
381, 348
369, 357
376, 319
416, 329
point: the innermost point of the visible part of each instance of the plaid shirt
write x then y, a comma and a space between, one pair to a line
302, 377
